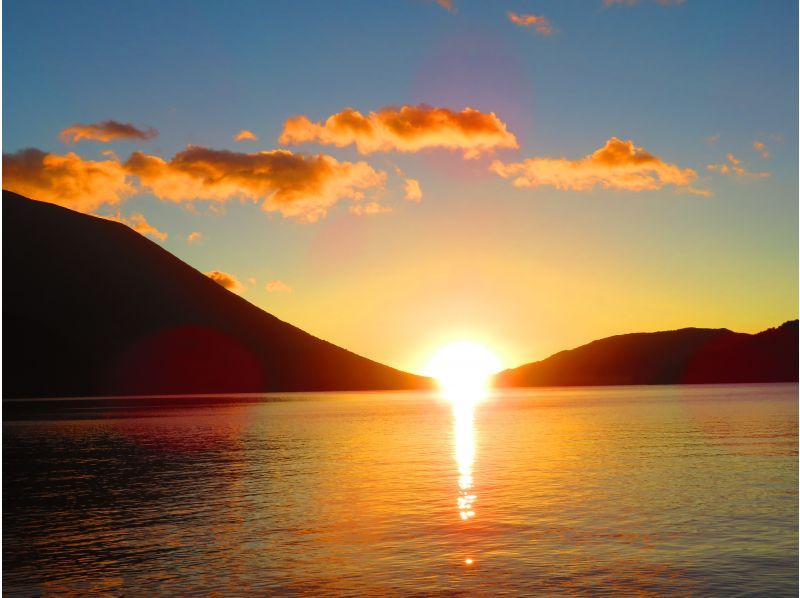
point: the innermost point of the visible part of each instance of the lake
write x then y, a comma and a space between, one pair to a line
650, 490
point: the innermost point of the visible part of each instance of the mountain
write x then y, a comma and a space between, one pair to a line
686, 356
92, 308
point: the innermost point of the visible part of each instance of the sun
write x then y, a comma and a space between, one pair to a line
463, 369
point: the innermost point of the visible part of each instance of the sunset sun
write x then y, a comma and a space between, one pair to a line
463, 368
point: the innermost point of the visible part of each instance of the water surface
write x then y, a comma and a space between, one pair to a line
685, 490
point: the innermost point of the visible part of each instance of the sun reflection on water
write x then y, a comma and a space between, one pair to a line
464, 434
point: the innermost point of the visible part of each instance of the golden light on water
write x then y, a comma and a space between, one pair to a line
464, 434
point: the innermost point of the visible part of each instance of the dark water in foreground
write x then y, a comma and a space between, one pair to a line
684, 490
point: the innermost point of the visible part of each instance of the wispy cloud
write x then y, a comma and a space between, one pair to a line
405, 129
369, 208
138, 223
761, 148
711, 139
194, 236
300, 186
106, 131
278, 286
225, 280
67, 180
539, 23
735, 166
617, 165
245, 135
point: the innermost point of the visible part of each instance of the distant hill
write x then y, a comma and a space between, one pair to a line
686, 356
92, 308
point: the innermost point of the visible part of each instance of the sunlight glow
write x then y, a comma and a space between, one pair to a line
463, 370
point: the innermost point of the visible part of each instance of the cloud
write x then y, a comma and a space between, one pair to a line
617, 165
413, 192
194, 236
138, 223
225, 280
295, 185
711, 139
699, 192
109, 153
411, 188
539, 23
245, 135
405, 129
369, 209
608, 3
277, 286
734, 166
761, 148
106, 131
68, 180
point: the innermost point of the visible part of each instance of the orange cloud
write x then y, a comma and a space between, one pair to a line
617, 165
277, 286
369, 209
106, 131
413, 192
734, 166
405, 129
194, 236
539, 23
225, 280
295, 185
411, 188
68, 180
245, 135
761, 148
138, 223
446, 4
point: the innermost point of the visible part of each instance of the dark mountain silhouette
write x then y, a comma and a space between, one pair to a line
92, 308
686, 356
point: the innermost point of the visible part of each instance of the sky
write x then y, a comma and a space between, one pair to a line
530, 175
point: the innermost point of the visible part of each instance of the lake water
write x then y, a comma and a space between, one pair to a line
650, 490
